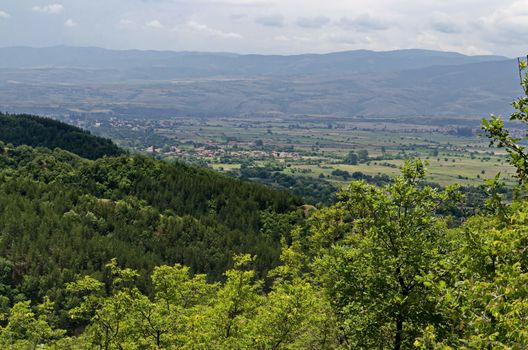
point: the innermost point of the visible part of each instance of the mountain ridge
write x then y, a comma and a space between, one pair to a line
81, 57
149, 84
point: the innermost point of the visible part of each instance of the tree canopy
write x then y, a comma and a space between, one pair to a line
132, 253
24, 129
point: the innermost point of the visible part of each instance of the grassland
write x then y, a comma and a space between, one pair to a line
316, 147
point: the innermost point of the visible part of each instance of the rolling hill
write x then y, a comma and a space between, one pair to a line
43, 132
394, 84
62, 215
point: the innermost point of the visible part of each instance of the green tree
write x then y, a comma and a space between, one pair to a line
296, 313
374, 261
486, 303
351, 158
234, 307
500, 135
488, 296
178, 309
111, 318
29, 330
363, 156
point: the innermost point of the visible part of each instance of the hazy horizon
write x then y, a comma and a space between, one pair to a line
252, 53
291, 27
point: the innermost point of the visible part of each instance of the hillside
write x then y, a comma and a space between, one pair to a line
139, 209
63, 216
98, 82
42, 132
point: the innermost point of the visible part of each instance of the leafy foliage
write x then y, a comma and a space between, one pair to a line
501, 136
378, 269
373, 269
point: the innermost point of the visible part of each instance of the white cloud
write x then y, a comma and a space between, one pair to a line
125, 23
281, 38
155, 24
313, 22
276, 20
512, 18
52, 9
239, 2
345, 39
70, 23
497, 26
444, 24
212, 31
364, 22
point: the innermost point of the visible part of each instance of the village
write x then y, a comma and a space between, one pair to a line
318, 148
220, 151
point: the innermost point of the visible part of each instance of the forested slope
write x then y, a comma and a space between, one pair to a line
35, 131
143, 210
63, 216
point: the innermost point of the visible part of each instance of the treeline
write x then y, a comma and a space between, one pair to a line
320, 192
36, 131
313, 191
178, 188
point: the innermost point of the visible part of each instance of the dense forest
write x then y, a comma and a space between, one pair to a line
128, 252
44, 132
63, 216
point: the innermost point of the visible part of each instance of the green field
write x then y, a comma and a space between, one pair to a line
313, 147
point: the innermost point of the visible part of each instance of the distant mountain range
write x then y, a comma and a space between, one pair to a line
392, 84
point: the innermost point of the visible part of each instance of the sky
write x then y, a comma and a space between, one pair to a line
270, 26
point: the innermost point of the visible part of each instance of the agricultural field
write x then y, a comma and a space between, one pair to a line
315, 148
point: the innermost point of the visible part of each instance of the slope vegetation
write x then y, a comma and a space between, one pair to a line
42, 132
62, 215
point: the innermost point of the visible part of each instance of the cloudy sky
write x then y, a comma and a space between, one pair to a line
270, 26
